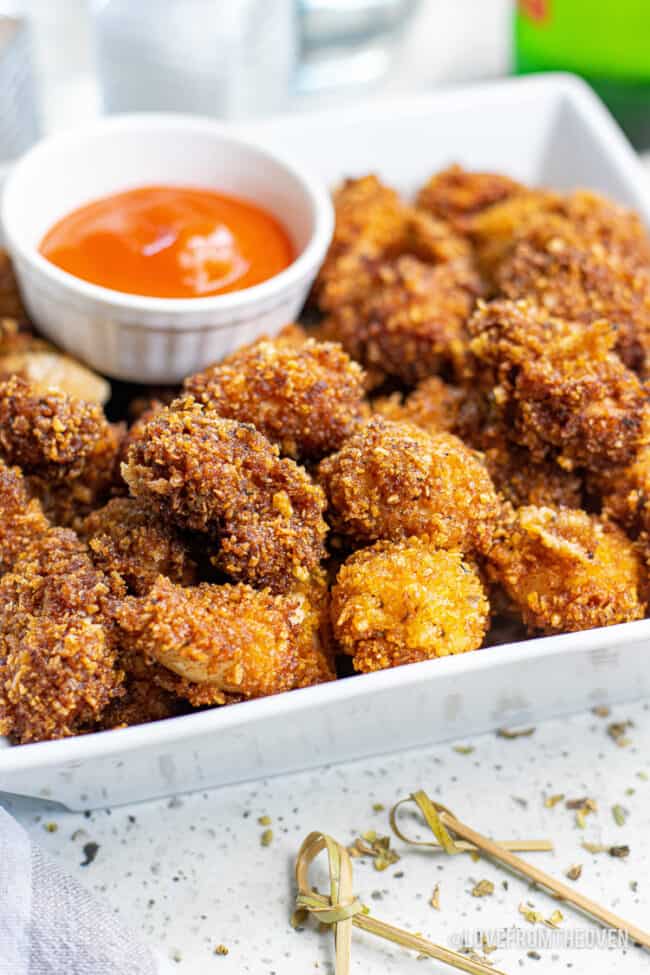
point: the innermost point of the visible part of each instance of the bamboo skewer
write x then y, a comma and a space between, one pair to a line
442, 820
602, 914
343, 910
462, 846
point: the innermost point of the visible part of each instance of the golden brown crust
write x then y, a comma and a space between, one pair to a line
64, 445
373, 223
306, 400
58, 669
52, 435
226, 639
580, 279
457, 195
21, 517
433, 405
560, 390
566, 570
523, 481
393, 480
11, 305
399, 602
130, 543
224, 479
495, 228
404, 318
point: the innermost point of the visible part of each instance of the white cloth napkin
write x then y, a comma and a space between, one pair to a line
50, 925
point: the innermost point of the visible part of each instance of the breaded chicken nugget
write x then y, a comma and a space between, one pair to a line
132, 544
399, 602
433, 405
51, 434
494, 229
615, 228
11, 305
143, 701
407, 319
373, 223
21, 517
566, 570
553, 265
369, 216
225, 479
58, 664
393, 480
437, 406
524, 481
457, 195
307, 400
429, 239
65, 446
560, 388
226, 639
624, 492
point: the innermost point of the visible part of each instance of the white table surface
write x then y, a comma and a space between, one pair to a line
190, 872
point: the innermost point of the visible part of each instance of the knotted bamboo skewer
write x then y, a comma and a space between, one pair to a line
343, 910
446, 827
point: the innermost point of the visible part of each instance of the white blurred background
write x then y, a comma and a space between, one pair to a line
239, 58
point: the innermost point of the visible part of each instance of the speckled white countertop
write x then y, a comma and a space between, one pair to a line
191, 873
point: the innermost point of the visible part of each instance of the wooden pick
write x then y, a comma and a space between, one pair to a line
343, 910
448, 821
462, 846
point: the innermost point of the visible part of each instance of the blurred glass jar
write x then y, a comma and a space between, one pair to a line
228, 59
19, 110
348, 43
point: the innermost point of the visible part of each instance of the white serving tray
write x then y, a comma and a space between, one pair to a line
549, 130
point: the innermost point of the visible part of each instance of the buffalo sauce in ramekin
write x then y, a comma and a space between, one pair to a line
170, 242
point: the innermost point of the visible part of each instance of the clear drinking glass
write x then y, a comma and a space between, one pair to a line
229, 59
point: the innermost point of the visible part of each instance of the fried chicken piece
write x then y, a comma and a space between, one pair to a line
615, 228
369, 216
433, 405
307, 400
223, 478
494, 229
21, 517
407, 319
572, 277
566, 570
561, 390
624, 492
66, 446
372, 222
58, 668
132, 544
524, 481
458, 195
150, 694
437, 406
24, 354
226, 639
11, 305
52, 435
393, 480
432, 241
399, 602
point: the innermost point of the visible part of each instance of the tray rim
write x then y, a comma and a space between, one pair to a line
68, 751
76, 750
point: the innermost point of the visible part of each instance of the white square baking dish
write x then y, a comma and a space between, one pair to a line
549, 130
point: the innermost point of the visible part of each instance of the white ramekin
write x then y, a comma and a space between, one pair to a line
157, 340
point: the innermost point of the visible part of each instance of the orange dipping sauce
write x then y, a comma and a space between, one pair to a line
169, 242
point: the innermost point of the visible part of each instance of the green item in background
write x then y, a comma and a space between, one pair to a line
607, 42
